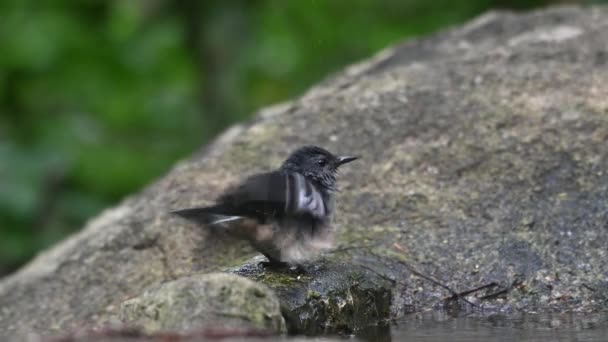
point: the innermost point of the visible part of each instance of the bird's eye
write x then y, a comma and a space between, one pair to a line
321, 162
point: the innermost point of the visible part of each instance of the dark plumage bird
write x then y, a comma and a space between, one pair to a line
285, 214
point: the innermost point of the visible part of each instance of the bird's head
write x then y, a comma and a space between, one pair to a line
316, 164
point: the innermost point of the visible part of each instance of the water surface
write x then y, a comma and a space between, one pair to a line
438, 327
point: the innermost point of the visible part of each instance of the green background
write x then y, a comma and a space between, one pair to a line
98, 98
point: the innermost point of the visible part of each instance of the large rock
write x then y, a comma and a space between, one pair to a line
484, 162
216, 300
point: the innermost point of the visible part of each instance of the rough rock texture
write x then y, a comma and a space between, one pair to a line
332, 297
217, 300
484, 161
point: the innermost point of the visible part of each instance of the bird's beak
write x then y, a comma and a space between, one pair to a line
346, 159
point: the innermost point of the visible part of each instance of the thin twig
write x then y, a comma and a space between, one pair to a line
584, 285
433, 281
348, 248
381, 275
477, 289
495, 294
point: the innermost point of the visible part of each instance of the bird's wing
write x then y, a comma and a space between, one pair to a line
274, 194
260, 196
303, 198
264, 196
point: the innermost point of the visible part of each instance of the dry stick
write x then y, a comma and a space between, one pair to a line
383, 276
495, 294
348, 248
413, 271
433, 281
436, 282
503, 291
468, 292
584, 285
416, 273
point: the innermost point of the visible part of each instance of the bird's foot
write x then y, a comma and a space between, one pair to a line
274, 264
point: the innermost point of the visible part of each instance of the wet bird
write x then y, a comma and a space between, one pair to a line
285, 214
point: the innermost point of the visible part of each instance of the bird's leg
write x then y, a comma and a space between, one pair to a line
274, 264
271, 263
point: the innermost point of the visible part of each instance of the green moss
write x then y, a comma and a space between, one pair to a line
277, 279
314, 295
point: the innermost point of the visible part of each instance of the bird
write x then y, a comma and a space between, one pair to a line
284, 214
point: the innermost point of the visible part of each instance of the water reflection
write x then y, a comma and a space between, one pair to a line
438, 327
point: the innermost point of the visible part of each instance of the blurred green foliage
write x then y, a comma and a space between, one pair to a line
97, 98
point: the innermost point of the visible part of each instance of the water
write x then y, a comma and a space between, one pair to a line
438, 327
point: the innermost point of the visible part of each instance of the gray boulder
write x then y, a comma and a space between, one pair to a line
217, 300
484, 165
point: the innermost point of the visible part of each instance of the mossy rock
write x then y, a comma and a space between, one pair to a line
330, 296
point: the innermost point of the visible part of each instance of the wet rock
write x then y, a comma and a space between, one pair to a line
218, 300
329, 297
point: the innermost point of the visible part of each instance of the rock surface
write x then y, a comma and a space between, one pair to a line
484, 163
218, 300
331, 297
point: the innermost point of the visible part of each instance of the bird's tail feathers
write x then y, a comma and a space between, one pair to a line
207, 215
225, 219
